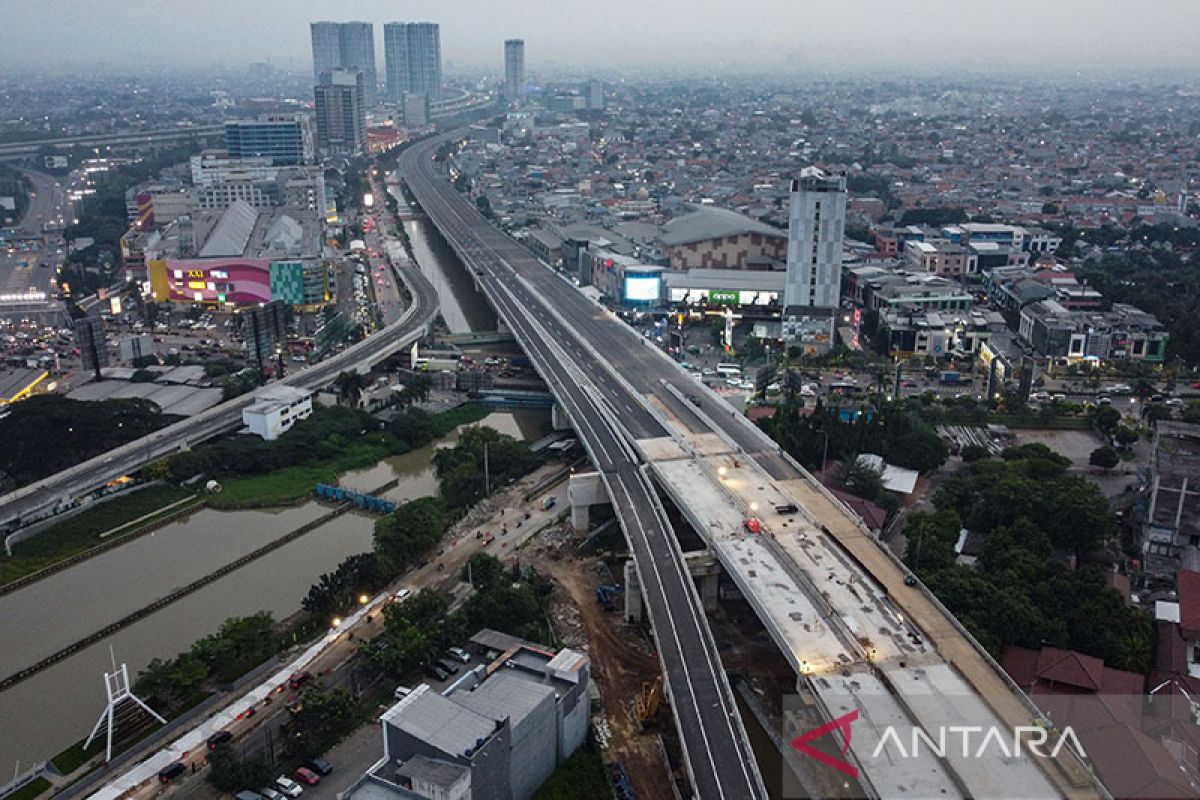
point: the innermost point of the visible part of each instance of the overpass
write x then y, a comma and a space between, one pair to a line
413, 325
14, 150
716, 750
833, 599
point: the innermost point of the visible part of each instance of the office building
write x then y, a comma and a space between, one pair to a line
341, 116
514, 70
1124, 333
497, 732
414, 109
816, 221
413, 53
286, 139
594, 92
346, 45
326, 47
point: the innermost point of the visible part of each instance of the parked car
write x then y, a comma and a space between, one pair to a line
319, 766
288, 786
219, 738
171, 771
402, 692
460, 654
448, 665
246, 794
306, 775
271, 793
436, 672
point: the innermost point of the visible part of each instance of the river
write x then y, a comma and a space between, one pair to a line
46, 713
42, 715
463, 308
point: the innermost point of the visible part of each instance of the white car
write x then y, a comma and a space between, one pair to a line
288, 786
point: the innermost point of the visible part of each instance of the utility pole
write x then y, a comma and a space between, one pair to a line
487, 476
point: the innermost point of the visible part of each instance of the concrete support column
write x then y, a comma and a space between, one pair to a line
584, 489
559, 419
708, 591
633, 594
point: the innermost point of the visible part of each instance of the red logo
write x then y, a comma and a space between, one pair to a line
842, 723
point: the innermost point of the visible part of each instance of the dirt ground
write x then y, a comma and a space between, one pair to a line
622, 663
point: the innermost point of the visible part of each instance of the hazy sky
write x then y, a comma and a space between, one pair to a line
701, 35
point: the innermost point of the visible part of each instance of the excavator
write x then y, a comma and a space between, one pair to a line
647, 702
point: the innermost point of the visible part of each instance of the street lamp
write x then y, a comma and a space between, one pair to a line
362, 599
337, 622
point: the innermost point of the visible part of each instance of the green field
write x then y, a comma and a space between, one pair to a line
81, 532
293, 484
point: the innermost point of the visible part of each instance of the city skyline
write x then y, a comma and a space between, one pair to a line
864, 35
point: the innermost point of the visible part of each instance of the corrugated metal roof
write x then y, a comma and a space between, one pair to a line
232, 232
713, 223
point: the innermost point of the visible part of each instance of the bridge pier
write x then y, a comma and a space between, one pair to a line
559, 419
584, 489
701, 565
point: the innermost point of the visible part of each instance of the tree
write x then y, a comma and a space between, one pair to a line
862, 478
349, 386
409, 532
1125, 435
230, 773
974, 452
319, 719
1106, 419
1105, 457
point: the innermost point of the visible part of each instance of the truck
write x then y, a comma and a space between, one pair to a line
953, 378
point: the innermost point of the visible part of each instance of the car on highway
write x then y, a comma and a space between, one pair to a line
306, 775
288, 786
403, 594
753, 525
298, 679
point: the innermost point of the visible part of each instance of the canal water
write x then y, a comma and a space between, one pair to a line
46, 713
463, 308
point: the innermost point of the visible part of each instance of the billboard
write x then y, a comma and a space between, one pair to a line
642, 289
723, 297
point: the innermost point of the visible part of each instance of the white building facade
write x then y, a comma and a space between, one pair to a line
816, 224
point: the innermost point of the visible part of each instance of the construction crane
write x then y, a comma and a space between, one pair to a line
648, 701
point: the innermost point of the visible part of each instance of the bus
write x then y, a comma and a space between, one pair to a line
729, 370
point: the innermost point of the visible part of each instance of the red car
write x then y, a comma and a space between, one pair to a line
298, 679
753, 525
306, 775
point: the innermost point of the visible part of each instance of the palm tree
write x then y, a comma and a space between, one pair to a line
350, 385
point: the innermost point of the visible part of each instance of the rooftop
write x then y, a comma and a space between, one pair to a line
440, 722
708, 222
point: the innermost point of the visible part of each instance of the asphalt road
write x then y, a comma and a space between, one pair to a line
128, 458
719, 760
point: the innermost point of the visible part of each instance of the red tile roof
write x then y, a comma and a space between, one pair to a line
1188, 587
1053, 670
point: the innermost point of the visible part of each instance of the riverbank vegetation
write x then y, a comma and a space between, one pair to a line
334, 440
84, 531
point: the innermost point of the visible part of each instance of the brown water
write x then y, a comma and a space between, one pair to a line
463, 308
46, 713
